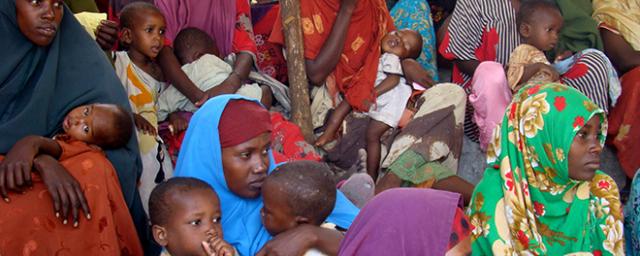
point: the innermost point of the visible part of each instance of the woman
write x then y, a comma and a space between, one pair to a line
542, 192
620, 30
45, 76
415, 222
234, 158
485, 31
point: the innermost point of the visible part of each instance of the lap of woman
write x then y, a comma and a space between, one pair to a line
29, 224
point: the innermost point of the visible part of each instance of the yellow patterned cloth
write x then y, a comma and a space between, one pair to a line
621, 15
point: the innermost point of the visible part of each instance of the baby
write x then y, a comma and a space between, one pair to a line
199, 55
186, 218
296, 193
106, 126
539, 24
393, 94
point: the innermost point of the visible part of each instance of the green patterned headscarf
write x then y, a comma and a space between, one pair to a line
526, 204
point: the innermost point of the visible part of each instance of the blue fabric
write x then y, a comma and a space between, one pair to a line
632, 218
201, 157
416, 15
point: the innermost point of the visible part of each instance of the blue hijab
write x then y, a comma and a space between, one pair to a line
201, 157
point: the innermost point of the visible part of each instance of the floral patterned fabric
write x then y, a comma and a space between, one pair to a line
526, 203
632, 221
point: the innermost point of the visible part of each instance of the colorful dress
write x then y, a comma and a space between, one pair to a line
142, 90
270, 56
526, 203
416, 15
486, 31
632, 218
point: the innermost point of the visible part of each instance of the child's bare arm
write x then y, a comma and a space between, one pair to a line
531, 69
387, 84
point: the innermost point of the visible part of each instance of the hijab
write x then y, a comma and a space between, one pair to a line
201, 157
526, 201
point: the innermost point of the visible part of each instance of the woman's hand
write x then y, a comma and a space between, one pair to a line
145, 126
65, 191
217, 247
15, 169
177, 123
107, 34
413, 72
228, 86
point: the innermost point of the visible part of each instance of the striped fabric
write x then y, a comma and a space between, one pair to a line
485, 30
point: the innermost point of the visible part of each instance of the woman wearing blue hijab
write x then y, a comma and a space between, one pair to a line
234, 157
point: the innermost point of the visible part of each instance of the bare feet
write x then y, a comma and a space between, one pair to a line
325, 138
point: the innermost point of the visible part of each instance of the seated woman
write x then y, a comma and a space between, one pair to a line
235, 158
47, 73
620, 30
543, 192
416, 222
480, 38
438, 120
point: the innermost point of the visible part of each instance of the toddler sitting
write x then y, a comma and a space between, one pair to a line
186, 218
392, 91
297, 193
198, 54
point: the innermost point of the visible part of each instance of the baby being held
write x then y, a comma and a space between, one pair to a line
539, 24
186, 218
297, 193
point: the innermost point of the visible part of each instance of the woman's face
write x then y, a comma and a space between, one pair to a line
39, 20
584, 155
245, 165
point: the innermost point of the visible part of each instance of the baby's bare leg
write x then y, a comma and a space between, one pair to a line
375, 129
339, 114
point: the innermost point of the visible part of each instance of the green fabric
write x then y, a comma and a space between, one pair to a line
413, 169
526, 201
580, 31
78, 6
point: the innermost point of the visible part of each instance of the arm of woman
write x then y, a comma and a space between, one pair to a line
298, 240
171, 69
319, 68
241, 68
414, 72
467, 66
622, 55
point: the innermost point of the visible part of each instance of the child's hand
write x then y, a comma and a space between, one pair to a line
217, 247
15, 169
549, 70
563, 56
177, 123
143, 125
106, 34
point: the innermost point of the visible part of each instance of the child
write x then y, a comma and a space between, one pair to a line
200, 59
142, 27
185, 218
392, 91
296, 193
103, 125
539, 24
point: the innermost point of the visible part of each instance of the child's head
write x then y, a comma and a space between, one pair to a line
300, 192
539, 23
143, 28
184, 212
192, 43
404, 43
105, 125
39, 21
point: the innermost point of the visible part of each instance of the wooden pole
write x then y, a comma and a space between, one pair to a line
298, 84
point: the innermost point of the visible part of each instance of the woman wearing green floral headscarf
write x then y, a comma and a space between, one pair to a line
542, 193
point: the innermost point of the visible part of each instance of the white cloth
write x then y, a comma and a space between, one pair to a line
390, 105
207, 72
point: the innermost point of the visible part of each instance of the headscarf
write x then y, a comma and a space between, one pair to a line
526, 201
40, 85
355, 73
241, 121
403, 221
216, 17
201, 157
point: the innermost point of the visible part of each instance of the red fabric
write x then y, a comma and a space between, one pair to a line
485, 52
624, 124
356, 71
242, 36
270, 58
288, 143
460, 229
241, 121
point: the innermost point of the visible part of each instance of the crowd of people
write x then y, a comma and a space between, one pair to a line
139, 127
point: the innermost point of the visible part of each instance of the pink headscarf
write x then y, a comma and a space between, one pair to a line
216, 17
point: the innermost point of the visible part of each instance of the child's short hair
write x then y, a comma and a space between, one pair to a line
310, 189
122, 126
191, 38
528, 7
159, 209
129, 12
